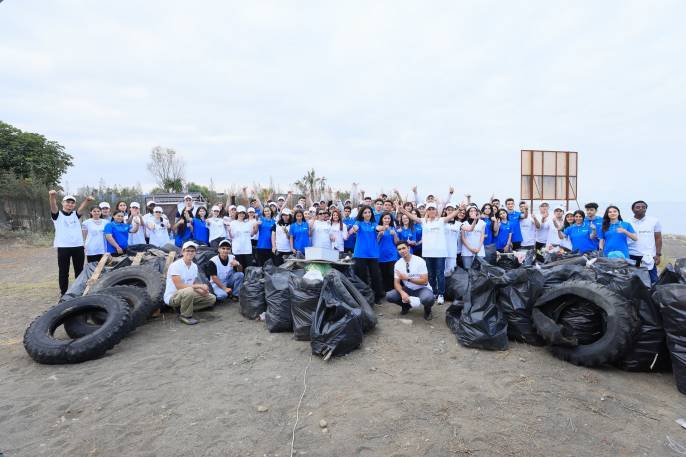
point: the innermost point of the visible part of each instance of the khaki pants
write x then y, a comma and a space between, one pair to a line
188, 300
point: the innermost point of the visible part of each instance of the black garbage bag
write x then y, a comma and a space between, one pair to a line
452, 316
202, 260
672, 300
79, 285
337, 326
671, 274
482, 323
507, 262
581, 320
529, 259
134, 249
278, 297
354, 298
360, 285
524, 287
304, 299
554, 275
251, 299
456, 284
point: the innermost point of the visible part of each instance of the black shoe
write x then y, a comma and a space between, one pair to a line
405, 309
428, 315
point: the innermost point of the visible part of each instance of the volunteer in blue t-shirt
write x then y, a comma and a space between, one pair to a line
299, 233
366, 253
615, 233
488, 217
406, 232
201, 233
581, 234
503, 231
514, 217
117, 234
263, 229
593, 218
417, 247
349, 243
388, 254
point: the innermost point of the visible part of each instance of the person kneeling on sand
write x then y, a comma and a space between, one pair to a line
181, 292
411, 287
225, 279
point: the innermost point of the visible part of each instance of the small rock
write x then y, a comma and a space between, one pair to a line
602, 398
372, 369
522, 359
262, 409
52, 378
323, 423
325, 430
405, 321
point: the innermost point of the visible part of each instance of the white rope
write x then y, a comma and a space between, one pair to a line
297, 410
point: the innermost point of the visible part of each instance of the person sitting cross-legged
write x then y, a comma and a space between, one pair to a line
181, 291
223, 272
411, 287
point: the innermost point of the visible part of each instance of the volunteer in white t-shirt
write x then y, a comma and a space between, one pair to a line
543, 228
215, 224
68, 236
434, 248
646, 251
453, 241
158, 228
281, 237
528, 225
411, 287
226, 281
473, 233
148, 218
320, 229
95, 239
136, 218
241, 233
339, 231
181, 291
105, 212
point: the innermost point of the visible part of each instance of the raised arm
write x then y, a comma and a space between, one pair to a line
53, 202
84, 204
412, 217
416, 196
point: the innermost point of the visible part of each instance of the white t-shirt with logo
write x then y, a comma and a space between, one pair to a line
67, 230
646, 229
417, 268
159, 233
283, 239
95, 238
543, 232
452, 239
340, 235
473, 238
320, 234
434, 243
216, 227
241, 233
187, 274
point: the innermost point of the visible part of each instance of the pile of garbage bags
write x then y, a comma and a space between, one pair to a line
589, 311
332, 311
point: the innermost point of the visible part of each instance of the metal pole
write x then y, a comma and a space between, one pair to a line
567, 183
531, 184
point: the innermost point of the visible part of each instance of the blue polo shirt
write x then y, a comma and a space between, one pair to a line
264, 233
366, 245
503, 234
300, 232
615, 241
514, 218
350, 242
406, 234
120, 233
387, 250
598, 222
201, 233
580, 236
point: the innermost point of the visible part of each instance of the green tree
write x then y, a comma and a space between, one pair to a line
168, 168
31, 156
310, 185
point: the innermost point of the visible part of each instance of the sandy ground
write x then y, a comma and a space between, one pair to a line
411, 390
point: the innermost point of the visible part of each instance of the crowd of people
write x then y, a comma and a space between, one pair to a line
404, 249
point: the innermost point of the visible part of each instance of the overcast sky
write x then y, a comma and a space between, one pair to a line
383, 93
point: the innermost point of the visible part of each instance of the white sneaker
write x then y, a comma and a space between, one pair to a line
439, 300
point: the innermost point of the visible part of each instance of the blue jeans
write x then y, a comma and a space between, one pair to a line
234, 281
436, 269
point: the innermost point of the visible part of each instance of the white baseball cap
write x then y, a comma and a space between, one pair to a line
560, 207
135, 205
240, 209
215, 208
157, 209
104, 205
151, 203
313, 209
232, 207
224, 243
188, 197
68, 197
281, 199
430, 205
286, 211
544, 203
189, 244
251, 210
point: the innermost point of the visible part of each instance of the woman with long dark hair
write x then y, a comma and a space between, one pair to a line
183, 227
158, 228
366, 253
418, 233
201, 233
299, 233
93, 228
473, 234
263, 229
122, 207
281, 238
615, 233
502, 228
405, 231
580, 235
488, 218
117, 234
388, 254
338, 232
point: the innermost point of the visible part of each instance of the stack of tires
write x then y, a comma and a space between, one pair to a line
120, 301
